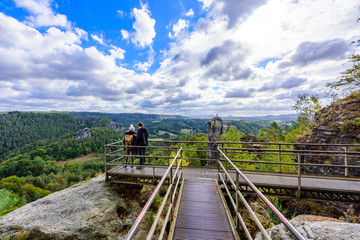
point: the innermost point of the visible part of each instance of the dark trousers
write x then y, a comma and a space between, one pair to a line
130, 152
141, 151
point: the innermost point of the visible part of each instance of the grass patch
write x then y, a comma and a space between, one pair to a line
82, 159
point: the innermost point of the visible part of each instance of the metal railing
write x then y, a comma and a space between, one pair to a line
338, 160
238, 196
174, 181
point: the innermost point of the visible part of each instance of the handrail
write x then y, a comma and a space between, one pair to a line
151, 199
260, 143
267, 202
286, 160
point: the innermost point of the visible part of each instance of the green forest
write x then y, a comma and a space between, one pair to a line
36, 148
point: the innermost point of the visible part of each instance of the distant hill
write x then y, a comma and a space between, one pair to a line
286, 117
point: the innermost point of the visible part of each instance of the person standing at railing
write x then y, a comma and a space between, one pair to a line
142, 141
129, 141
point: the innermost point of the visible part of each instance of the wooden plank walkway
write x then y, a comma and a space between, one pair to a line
201, 214
259, 179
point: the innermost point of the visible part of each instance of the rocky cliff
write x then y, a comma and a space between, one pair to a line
84, 211
338, 123
85, 133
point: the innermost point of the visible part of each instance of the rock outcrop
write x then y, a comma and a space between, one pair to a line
338, 123
117, 127
314, 227
85, 133
84, 211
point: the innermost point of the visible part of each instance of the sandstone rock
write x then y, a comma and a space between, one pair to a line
84, 211
314, 227
115, 126
85, 133
337, 123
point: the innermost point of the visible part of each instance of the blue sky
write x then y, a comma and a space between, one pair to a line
188, 57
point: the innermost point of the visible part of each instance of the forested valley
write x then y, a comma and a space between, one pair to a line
36, 148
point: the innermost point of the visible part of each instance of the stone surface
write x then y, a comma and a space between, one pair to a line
84, 211
337, 123
315, 228
85, 133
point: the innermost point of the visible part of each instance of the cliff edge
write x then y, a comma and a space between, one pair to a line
87, 210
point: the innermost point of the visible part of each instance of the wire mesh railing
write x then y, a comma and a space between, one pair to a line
239, 197
174, 179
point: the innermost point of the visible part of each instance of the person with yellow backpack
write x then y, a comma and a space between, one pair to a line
129, 141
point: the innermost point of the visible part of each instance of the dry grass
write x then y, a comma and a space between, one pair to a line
82, 159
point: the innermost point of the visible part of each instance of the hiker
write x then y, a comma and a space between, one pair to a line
129, 141
142, 140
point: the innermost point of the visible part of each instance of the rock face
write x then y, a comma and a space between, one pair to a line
115, 126
84, 211
215, 129
85, 133
314, 227
337, 123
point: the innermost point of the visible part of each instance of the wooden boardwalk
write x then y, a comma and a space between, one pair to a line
201, 213
312, 187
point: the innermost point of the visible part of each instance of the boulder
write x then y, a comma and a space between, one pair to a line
85, 133
87, 210
314, 227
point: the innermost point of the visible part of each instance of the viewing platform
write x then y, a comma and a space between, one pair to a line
197, 184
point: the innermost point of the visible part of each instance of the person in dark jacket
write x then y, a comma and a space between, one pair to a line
142, 141
129, 141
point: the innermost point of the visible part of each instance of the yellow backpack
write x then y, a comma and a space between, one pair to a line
128, 141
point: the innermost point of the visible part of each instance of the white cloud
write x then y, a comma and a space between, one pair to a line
117, 52
178, 28
144, 66
125, 34
42, 14
190, 13
121, 13
98, 39
214, 65
144, 27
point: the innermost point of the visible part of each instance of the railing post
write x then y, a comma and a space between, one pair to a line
237, 223
346, 162
153, 163
106, 174
171, 190
168, 156
298, 192
226, 166
279, 158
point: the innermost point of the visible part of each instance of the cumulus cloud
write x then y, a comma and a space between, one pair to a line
190, 13
125, 34
42, 14
308, 52
235, 10
290, 83
117, 52
144, 27
239, 93
178, 28
98, 39
144, 66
